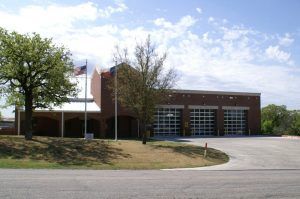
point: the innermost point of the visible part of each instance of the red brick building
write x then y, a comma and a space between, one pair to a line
188, 112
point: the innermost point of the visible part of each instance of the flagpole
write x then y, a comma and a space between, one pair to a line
85, 113
116, 105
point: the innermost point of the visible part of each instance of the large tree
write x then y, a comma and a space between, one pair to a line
295, 126
276, 119
143, 82
34, 73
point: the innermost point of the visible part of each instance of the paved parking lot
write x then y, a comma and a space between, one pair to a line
253, 152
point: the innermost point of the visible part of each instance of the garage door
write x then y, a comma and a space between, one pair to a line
202, 121
235, 122
167, 122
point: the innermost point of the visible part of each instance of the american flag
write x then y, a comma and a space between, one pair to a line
80, 70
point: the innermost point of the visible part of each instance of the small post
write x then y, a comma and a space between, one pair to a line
249, 132
218, 133
205, 150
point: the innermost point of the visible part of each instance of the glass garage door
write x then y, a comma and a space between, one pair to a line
167, 122
202, 121
235, 122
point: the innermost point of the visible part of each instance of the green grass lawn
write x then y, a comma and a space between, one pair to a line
74, 153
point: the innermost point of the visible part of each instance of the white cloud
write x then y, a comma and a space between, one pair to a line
224, 21
184, 23
161, 10
162, 22
208, 69
273, 52
168, 31
235, 32
211, 19
199, 10
108, 11
287, 40
52, 20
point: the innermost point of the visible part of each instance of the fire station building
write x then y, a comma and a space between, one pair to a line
187, 113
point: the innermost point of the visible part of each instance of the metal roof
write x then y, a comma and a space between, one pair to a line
214, 92
77, 104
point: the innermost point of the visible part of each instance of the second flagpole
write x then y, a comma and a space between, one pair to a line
116, 103
85, 113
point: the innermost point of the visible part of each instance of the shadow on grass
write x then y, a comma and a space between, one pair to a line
65, 152
190, 150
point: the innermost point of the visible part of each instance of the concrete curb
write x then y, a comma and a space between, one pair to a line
291, 137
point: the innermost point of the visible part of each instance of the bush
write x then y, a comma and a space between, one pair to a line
295, 127
277, 120
267, 127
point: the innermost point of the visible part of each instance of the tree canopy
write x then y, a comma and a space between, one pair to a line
278, 120
143, 81
34, 73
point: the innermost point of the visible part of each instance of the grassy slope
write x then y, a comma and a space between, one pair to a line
46, 152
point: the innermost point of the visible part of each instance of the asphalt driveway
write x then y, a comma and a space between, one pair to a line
251, 153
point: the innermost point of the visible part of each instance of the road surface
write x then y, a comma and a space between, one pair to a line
37, 184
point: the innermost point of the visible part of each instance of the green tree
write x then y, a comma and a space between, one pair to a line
295, 126
34, 73
267, 127
143, 81
275, 119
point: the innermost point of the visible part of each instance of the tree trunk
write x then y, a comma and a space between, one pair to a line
28, 117
144, 137
144, 127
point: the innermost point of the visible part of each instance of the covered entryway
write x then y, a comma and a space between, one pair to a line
127, 127
45, 126
75, 127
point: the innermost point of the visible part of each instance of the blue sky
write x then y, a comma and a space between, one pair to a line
232, 45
